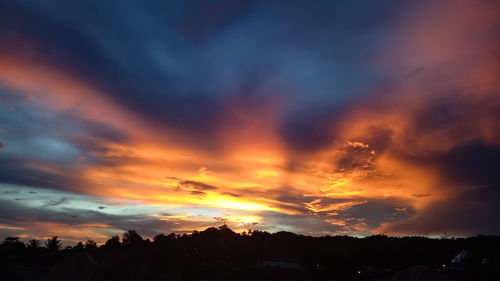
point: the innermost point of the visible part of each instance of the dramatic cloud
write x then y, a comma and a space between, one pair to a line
319, 118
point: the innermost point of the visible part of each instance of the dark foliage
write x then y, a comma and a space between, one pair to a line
113, 242
33, 243
90, 245
221, 254
53, 244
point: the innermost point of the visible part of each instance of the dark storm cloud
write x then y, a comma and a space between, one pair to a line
360, 212
375, 212
469, 164
474, 163
471, 207
309, 130
197, 185
470, 212
15, 170
455, 114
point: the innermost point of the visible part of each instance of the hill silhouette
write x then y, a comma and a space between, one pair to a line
221, 254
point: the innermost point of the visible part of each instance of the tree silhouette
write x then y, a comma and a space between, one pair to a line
11, 240
218, 253
53, 244
90, 245
79, 246
33, 243
113, 242
132, 238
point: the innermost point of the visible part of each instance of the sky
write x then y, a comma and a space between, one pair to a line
315, 117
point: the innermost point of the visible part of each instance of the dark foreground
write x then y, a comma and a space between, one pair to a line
221, 254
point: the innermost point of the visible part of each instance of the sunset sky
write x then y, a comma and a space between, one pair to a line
316, 117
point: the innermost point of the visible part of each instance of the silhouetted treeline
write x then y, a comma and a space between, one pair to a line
221, 254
